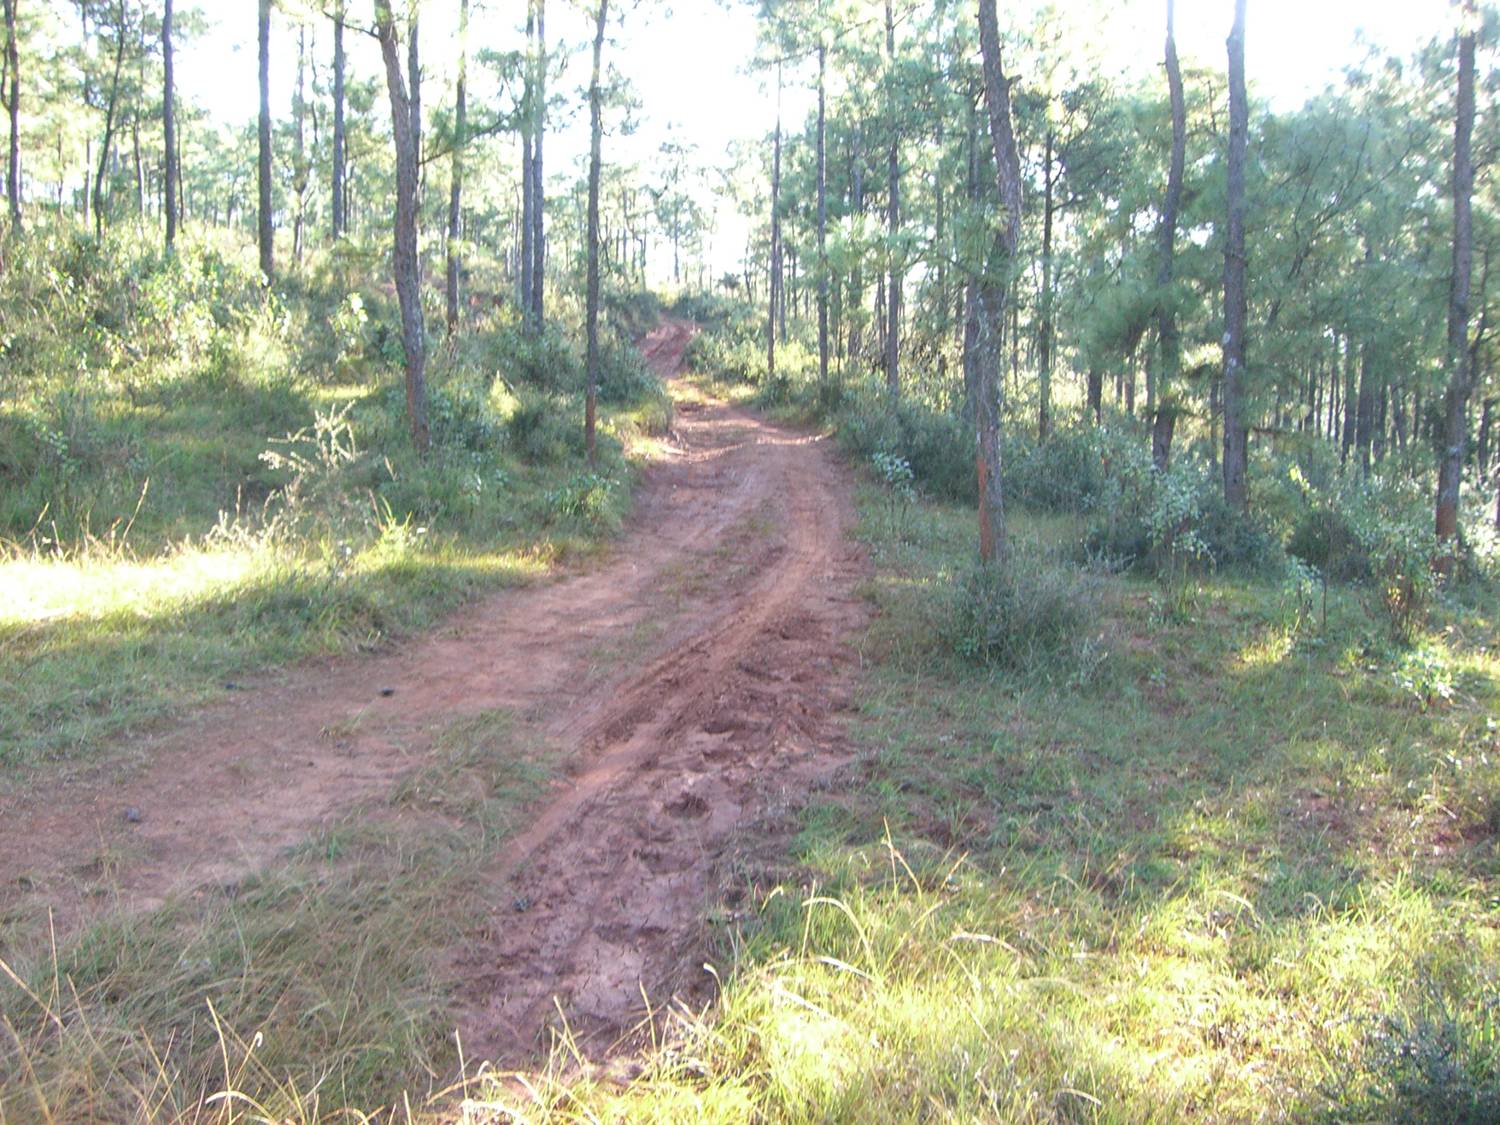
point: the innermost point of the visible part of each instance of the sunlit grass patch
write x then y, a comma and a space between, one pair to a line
1246, 871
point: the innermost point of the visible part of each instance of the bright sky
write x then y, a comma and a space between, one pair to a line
686, 58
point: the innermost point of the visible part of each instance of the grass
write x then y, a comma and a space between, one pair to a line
302, 990
239, 500
1243, 869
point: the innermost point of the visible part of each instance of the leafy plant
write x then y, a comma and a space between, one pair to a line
900, 490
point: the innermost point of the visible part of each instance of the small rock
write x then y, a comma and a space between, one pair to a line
387, 692
521, 904
132, 815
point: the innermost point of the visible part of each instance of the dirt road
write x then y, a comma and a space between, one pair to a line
732, 594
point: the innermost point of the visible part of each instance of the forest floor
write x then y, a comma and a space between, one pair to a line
677, 702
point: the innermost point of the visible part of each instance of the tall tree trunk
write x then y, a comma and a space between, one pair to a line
893, 218
1168, 337
339, 139
1460, 374
109, 122
13, 107
993, 547
775, 280
264, 230
1236, 428
1364, 410
299, 143
538, 181
408, 264
1044, 326
137, 164
596, 141
414, 85
528, 182
456, 180
170, 195
822, 217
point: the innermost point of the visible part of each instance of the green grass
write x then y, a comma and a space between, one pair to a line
1242, 868
184, 507
307, 988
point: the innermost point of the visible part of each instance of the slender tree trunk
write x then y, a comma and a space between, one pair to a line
1460, 375
408, 264
109, 123
538, 179
456, 182
993, 547
528, 181
1486, 419
1236, 429
170, 200
414, 83
137, 164
775, 280
1044, 325
339, 140
1168, 337
265, 231
596, 141
13, 107
893, 219
299, 144
822, 217
1364, 417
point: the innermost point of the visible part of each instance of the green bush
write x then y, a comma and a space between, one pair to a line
938, 447
1029, 617
546, 428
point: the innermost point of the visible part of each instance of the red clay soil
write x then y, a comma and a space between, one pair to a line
739, 574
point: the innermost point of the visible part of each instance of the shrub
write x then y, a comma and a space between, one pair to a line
545, 428
1028, 617
1436, 1061
938, 447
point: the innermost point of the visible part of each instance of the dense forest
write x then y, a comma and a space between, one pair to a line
1100, 724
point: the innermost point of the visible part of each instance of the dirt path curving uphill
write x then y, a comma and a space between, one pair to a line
739, 573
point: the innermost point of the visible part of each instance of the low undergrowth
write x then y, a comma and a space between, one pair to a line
201, 479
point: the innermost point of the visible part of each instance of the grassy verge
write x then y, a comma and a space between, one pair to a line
288, 996
200, 480
1242, 865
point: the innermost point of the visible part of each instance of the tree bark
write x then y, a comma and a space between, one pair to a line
893, 218
596, 144
538, 182
993, 546
170, 193
1364, 411
1236, 429
414, 88
299, 144
264, 231
775, 279
13, 107
822, 216
408, 265
456, 180
339, 141
1456, 400
1044, 326
1169, 339
109, 121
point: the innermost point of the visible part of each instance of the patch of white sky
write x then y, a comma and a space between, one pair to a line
690, 64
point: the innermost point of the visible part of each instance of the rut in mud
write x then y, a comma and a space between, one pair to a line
739, 569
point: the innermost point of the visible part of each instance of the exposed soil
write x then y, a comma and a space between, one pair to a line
726, 621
